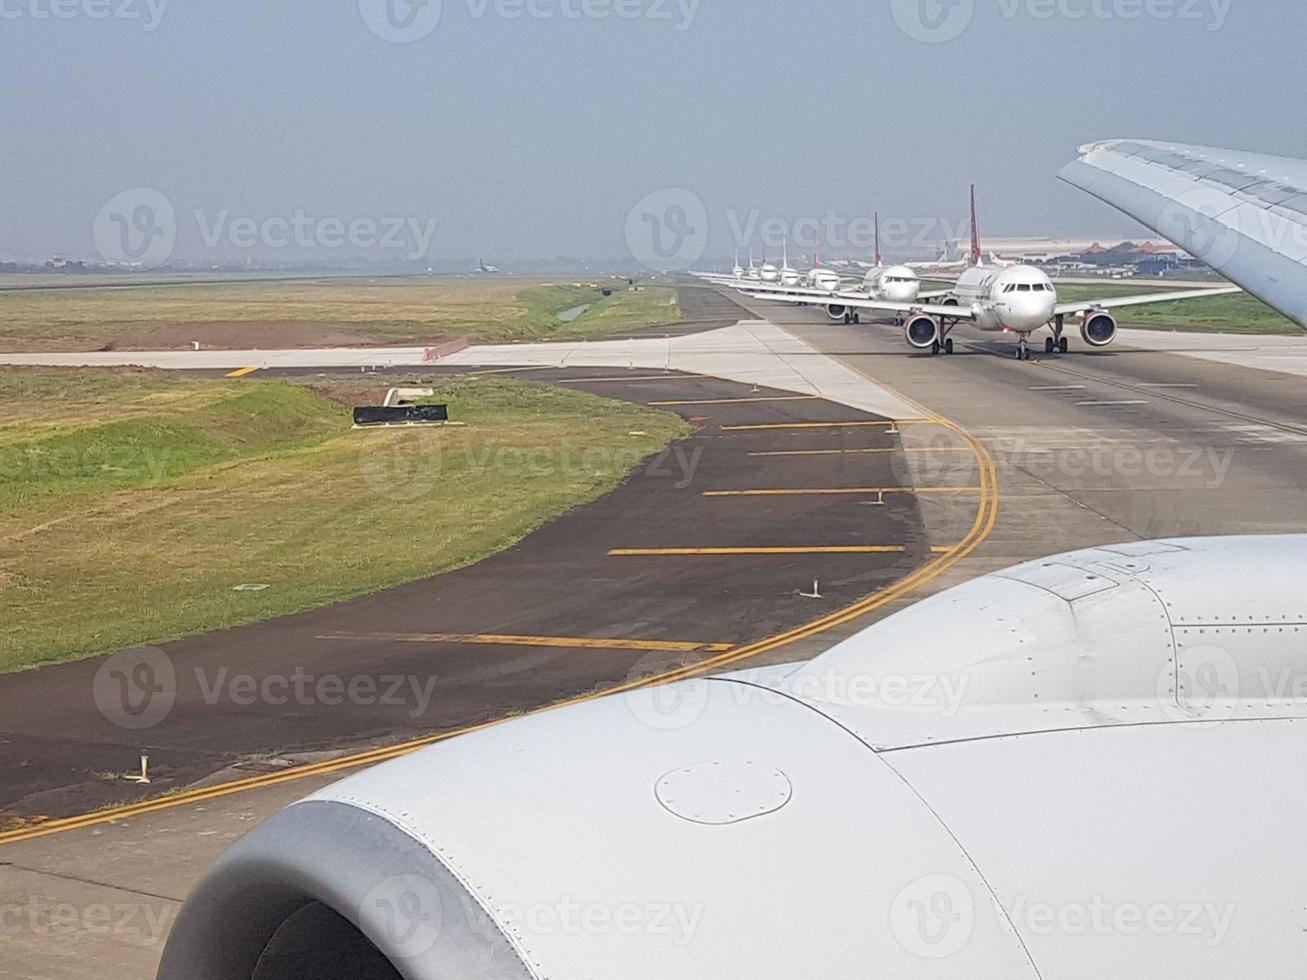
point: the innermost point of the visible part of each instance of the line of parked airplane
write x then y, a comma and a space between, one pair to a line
998, 298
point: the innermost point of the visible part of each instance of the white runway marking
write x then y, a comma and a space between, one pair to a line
1140, 401
1055, 388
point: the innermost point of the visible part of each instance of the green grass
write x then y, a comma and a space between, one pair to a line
324, 313
1237, 313
135, 528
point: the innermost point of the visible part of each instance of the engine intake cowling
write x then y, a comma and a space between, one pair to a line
1098, 329
921, 331
836, 312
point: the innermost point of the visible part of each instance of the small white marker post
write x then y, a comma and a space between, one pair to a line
880, 499
815, 593
144, 777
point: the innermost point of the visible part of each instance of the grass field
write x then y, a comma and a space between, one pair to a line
1239, 313
132, 518
322, 313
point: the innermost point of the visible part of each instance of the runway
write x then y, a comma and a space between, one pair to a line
1098, 446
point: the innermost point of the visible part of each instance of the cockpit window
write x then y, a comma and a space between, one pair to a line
1023, 287
1009, 287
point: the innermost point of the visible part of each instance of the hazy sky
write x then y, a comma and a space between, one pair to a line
530, 128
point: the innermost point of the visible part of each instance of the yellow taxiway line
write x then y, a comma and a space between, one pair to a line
854, 452
946, 558
241, 372
639, 377
827, 425
819, 491
509, 639
837, 549
739, 401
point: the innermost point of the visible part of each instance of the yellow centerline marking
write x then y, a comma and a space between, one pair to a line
983, 525
826, 425
509, 639
740, 401
836, 549
241, 372
849, 452
638, 377
816, 491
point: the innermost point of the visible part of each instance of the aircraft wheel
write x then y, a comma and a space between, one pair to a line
857, 318
1048, 345
934, 347
848, 318
948, 346
1063, 346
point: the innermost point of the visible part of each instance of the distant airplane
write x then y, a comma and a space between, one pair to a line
1019, 299
488, 270
1244, 214
826, 288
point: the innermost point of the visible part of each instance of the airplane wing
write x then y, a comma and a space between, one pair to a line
952, 312
1244, 214
1084, 306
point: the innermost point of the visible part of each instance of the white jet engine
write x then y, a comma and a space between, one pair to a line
1098, 329
1089, 765
922, 331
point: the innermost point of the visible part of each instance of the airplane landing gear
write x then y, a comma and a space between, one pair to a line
1057, 343
1023, 348
944, 346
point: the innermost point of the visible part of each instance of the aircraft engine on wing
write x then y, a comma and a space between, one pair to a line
921, 331
1047, 733
1098, 329
837, 312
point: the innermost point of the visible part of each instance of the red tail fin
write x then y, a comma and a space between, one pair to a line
879, 260
976, 254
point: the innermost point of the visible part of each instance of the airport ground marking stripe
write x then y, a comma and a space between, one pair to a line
847, 452
1127, 401
858, 491
738, 401
512, 639
1055, 387
889, 423
834, 549
986, 518
639, 377
241, 372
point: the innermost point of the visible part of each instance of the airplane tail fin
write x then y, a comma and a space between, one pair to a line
880, 260
977, 255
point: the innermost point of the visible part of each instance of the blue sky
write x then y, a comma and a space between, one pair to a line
529, 128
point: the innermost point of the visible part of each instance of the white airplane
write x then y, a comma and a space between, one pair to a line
486, 269
1018, 299
827, 289
1085, 766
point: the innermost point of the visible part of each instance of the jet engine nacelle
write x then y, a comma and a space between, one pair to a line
921, 331
1098, 329
836, 312
690, 834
